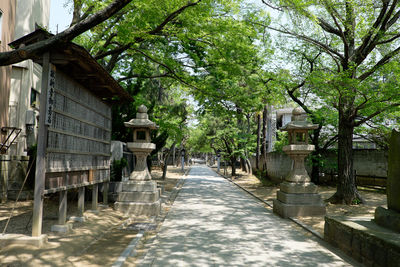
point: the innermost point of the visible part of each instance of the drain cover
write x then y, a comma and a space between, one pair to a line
141, 226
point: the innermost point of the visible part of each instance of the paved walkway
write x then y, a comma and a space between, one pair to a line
214, 223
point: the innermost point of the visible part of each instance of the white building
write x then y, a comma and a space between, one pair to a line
26, 76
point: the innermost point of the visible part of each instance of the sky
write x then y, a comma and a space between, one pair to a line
60, 14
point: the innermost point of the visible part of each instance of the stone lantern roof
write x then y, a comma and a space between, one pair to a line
141, 120
299, 122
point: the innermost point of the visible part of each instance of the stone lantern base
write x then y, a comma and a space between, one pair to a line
298, 199
139, 198
139, 195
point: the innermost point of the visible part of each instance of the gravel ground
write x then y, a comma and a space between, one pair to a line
98, 241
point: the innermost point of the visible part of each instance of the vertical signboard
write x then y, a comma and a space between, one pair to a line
50, 95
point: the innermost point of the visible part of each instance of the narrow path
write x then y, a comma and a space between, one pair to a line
214, 223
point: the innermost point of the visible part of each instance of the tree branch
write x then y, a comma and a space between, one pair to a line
330, 142
133, 76
329, 28
358, 123
33, 50
271, 6
171, 17
379, 64
154, 31
117, 50
326, 48
388, 40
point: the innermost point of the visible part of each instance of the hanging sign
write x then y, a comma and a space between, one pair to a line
50, 95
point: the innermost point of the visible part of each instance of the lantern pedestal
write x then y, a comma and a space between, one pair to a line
141, 151
140, 195
298, 196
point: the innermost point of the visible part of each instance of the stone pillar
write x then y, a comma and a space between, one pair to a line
390, 217
105, 193
81, 201
81, 206
271, 129
62, 226
141, 172
95, 194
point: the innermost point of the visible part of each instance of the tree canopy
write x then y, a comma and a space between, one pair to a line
347, 59
227, 62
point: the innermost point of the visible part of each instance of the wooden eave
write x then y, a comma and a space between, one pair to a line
75, 61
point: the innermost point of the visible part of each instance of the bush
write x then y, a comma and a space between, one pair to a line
116, 169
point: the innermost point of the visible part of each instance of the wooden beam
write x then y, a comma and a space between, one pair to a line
41, 153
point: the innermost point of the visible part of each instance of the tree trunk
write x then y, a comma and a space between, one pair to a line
315, 157
243, 164
249, 167
174, 156
233, 163
165, 160
315, 167
258, 140
346, 192
264, 137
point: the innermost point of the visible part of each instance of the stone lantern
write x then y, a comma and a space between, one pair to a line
139, 194
298, 195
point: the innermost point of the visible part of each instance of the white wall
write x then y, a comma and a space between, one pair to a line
26, 74
30, 12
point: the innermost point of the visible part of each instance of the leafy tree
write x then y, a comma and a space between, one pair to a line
358, 71
199, 46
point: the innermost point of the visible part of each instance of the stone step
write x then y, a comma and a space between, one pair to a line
299, 199
298, 188
291, 210
145, 186
138, 208
146, 197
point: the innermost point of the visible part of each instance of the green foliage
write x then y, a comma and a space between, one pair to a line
160, 50
281, 141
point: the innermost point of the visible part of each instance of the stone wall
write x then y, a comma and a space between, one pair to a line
368, 164
363, 240
12, 174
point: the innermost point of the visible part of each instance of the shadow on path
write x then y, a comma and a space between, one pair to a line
213, 223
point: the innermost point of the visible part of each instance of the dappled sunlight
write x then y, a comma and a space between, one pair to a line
374, 198
213, 223
84, 246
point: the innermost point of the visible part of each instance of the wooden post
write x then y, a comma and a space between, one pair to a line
41, 152
81, 201
105, 193
4, 163
95, 192
62, 209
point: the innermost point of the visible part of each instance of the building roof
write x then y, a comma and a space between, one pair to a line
76, 61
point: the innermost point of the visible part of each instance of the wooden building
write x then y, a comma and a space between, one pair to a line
75, 122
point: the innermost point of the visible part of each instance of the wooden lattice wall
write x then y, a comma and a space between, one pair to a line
79, 136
